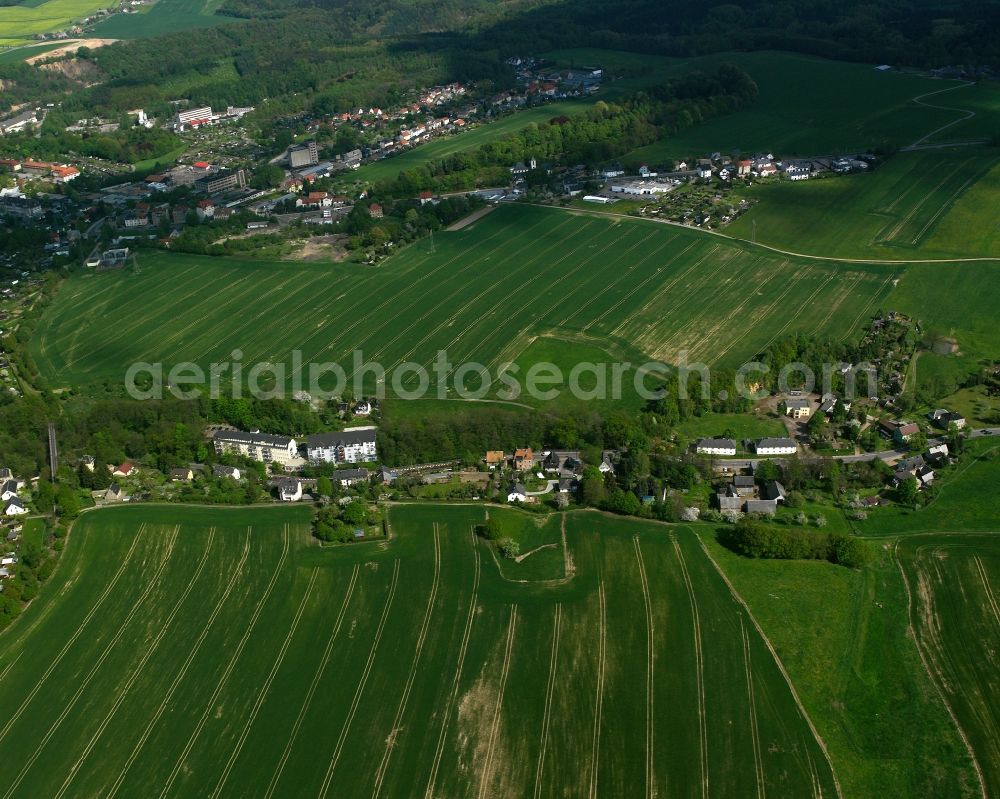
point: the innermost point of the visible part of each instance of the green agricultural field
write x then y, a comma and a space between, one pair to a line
164, 16
955, 616
843, 636
21, 22
444, 146
189, 652
484, 293
918, 205
810, 106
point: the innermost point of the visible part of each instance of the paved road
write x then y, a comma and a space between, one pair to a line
888, 455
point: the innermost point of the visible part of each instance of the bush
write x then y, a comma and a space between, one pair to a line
509, 548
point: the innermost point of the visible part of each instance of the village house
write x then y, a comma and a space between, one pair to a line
350, 477
495, 458
524, 459
944, 419
231, 472
14, 507
114, 493
181, 475
608, 459
517, 493
775, 446
124, 470
798, 408
289, 490
716, 446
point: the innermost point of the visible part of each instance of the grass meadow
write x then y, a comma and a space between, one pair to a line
485, 293
216, 652
953, 609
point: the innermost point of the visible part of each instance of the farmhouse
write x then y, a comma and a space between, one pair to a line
716, 446
745, 485
289, 490
945, 419
524, 459
775, 446
226, 472
353, 445
15, 507
263, 447
798, 408
350, 477
764, 507
517, 493
495, 458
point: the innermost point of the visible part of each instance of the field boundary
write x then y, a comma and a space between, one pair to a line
781, 666
932, 671
778, 250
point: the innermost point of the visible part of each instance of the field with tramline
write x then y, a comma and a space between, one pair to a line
484, 293
901, 210
953, 580
186, 652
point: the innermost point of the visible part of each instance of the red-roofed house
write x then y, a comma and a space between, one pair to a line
375, 210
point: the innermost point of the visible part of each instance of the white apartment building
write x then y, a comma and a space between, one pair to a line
257, 446
353, 445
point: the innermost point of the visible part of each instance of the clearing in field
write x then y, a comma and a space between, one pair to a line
191, 652
918, 205
484, 293
953, 582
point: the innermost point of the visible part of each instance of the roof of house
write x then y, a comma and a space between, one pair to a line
224, 471
908, 429
517, 488
524, 454
180, 474
776, 443
744, 481
796, 403
342, 438
774, 490
768, 506
351, 474
717, 443
239, 437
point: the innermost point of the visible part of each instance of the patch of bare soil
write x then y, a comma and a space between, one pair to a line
473, 217
78, 70
319, 248
71, 46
